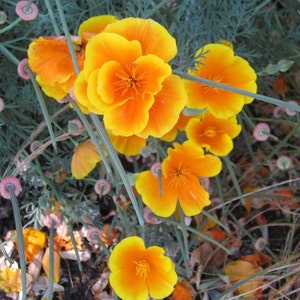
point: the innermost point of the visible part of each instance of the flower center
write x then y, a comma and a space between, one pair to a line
178, 176
142, 268
210, 132
130, 81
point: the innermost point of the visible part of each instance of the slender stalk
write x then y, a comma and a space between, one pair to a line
92, 135
237, 90
67, 34
43, 107
118, 165
51, 260
52, 18
8, 54
185, 248
19, 229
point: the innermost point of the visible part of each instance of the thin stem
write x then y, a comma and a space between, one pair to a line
237, 90
52, 18
118, 165
11, 25
51, 260
8, 54
67, 34
43, 107
91, 134
185, 243
19, 229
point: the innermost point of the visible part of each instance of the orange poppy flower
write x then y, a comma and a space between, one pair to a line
137, 271
84, 159
218, 63
34, 241
129, 81
50, 58
214, 134
180, 181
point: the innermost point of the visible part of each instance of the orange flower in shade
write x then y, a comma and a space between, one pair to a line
128, 145
241, 270
137, 271
34, 241
126, 78
50, 58
84, 159
180, 181
179, 126
217, 62
214, 134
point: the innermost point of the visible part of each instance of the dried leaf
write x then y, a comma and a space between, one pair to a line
182, 291
258, 259
241, 270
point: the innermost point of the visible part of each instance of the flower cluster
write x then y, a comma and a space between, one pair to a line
123, 73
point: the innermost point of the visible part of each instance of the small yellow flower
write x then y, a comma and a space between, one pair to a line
218, 63
214, 134
180, 181
137, 271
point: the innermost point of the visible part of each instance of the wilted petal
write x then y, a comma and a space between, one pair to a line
84, 159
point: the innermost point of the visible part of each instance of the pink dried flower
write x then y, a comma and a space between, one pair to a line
102, 187
26, 10
204, 182
290, 112
53, 219
278, 112
23, 69
75, 126
92, 234
150, 217
156, 169
261, 132
2, 104
283, 162
7, 182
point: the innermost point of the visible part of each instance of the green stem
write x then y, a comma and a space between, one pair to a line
91, 134
185, 249
19, 229
118, 165
237, 90
11, 25
51, 260
67, 34
43, 107
8, 54
52, 18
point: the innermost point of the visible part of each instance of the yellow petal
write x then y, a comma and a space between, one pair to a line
11, 280
84, 159
95, 24
127, 145
56, 266
153, 37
